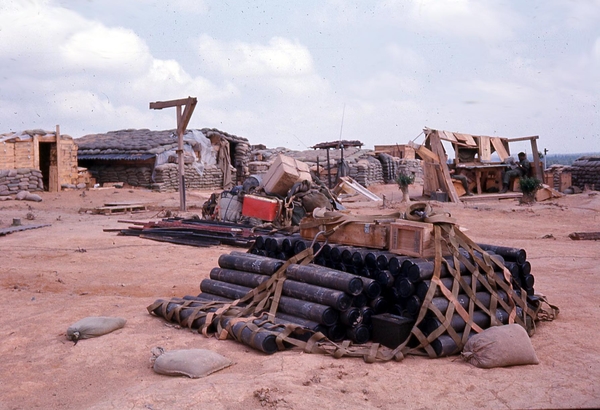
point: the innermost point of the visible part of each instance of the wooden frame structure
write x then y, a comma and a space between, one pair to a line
478, 150
182, 122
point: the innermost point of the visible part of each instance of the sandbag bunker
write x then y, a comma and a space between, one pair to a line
354, 301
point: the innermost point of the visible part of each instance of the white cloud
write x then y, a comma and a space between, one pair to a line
488, 21
105, 49
280, 57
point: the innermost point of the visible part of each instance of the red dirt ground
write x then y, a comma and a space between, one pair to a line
52, 277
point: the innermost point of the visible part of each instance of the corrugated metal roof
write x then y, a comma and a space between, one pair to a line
113, 157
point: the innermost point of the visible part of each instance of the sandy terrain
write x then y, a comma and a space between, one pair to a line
54, 276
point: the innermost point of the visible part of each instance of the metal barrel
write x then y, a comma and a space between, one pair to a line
346, 255
237, 277
513, 268
350, 317
300, 245
371, 259
325, 277
395, 265
359, 334
250, 263
326, 251
508, 253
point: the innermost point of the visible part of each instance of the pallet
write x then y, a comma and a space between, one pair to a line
115, 209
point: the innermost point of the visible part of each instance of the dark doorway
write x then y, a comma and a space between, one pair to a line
46, 161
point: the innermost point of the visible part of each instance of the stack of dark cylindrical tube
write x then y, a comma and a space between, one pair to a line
406, 280
334, 302
344, 286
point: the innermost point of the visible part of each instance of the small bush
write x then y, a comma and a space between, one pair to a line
529, 185
405, 180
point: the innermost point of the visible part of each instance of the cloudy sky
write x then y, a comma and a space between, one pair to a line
295, 73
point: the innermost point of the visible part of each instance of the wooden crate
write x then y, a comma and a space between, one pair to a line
283, 174
368, 235
411, 238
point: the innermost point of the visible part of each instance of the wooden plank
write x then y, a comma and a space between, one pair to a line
537, 171
485, 149
438, 149
534, 137
430, 181
58, 160
159, 105
423, 152
499, 147
466, 138
447, 136
480, 197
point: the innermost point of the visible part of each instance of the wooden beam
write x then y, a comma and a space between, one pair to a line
58, 158
523, 138
183, 118
537, 172
438, 149
159, 105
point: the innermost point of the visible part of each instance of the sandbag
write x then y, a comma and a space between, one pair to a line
500, 346
93, 327
193, 363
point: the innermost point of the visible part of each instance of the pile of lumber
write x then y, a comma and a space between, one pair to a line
193, 232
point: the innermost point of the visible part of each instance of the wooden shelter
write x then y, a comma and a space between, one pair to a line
49, 152
473, 154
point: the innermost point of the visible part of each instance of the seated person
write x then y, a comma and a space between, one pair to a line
463, 179
517, 170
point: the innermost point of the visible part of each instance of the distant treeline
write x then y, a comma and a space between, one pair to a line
566, 159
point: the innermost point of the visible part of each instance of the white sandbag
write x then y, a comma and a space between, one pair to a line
93, 327
193, 363
500, 346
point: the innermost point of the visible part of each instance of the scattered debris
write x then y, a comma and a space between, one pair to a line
585, 236
12, 229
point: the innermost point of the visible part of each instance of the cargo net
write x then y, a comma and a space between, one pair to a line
481, 294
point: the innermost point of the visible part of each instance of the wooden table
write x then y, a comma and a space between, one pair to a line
497, 168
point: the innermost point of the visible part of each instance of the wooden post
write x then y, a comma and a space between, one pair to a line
182, 121
58, 158
536, 159
328, 170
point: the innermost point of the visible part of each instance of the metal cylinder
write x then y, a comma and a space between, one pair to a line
317, 294
405, 287
510, 254
308, 310
379, 305
358, 334
350, 317
329, 278
384, 278
237, 277
336, 332
446, 346
371, 288
250, 263
423, 287
360, 300
366, 313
